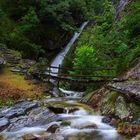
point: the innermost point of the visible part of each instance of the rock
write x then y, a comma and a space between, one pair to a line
128, 129
91, 126
137, 137
121, 108
85, 125
129, 89
30, 137
15, 70
65, 123
57, 110
2, 61
4, 122
41, 116
24, 66
114, 122
54, 137
29, 62
53, 128
20, 109
1, 137
19, 122
106, 120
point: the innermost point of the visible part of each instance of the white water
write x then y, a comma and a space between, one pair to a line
72, 94
58, 61
59, 58
120, 7
80, 120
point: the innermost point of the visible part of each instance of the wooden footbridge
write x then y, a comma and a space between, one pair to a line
59, 74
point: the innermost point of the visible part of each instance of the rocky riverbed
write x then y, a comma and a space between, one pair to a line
53, 119
120, 101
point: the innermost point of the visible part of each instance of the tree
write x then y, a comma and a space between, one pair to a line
84, 58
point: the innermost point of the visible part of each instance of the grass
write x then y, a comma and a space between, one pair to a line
13, 87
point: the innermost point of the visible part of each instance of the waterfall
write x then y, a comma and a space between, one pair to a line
120, 7
60, 57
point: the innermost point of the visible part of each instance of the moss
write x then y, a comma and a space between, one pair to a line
112, 97
16, 53
67, 105
14, 87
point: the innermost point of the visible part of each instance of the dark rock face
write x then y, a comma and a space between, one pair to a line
106, 120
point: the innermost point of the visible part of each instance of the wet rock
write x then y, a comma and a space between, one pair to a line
41, 116
4, 122
56, 110
121, 108
65, 123
106, 120
19, 122
30, 137
19, 109
15, 113
54, 137
53, 128
90, 126
2, 61
85, 125
15, 70
1, 137
114, 122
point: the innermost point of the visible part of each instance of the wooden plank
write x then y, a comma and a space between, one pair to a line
82, 69
77, 80
88, 76
79, 75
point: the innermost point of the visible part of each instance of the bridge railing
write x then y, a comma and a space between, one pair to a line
79, 76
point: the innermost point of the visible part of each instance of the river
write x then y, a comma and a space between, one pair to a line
75, 121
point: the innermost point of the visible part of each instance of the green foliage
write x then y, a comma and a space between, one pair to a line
33, 26
115, 43
84, 58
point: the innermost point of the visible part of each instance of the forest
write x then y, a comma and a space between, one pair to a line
69, 70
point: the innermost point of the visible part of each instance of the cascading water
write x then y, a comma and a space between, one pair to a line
120, 7
59, 58
58, 61
85, 126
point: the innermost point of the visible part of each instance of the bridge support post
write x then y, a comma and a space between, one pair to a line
49, 73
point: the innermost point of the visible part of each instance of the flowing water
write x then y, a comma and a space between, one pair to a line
76, 122
59, 58
121, 7
81, 124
